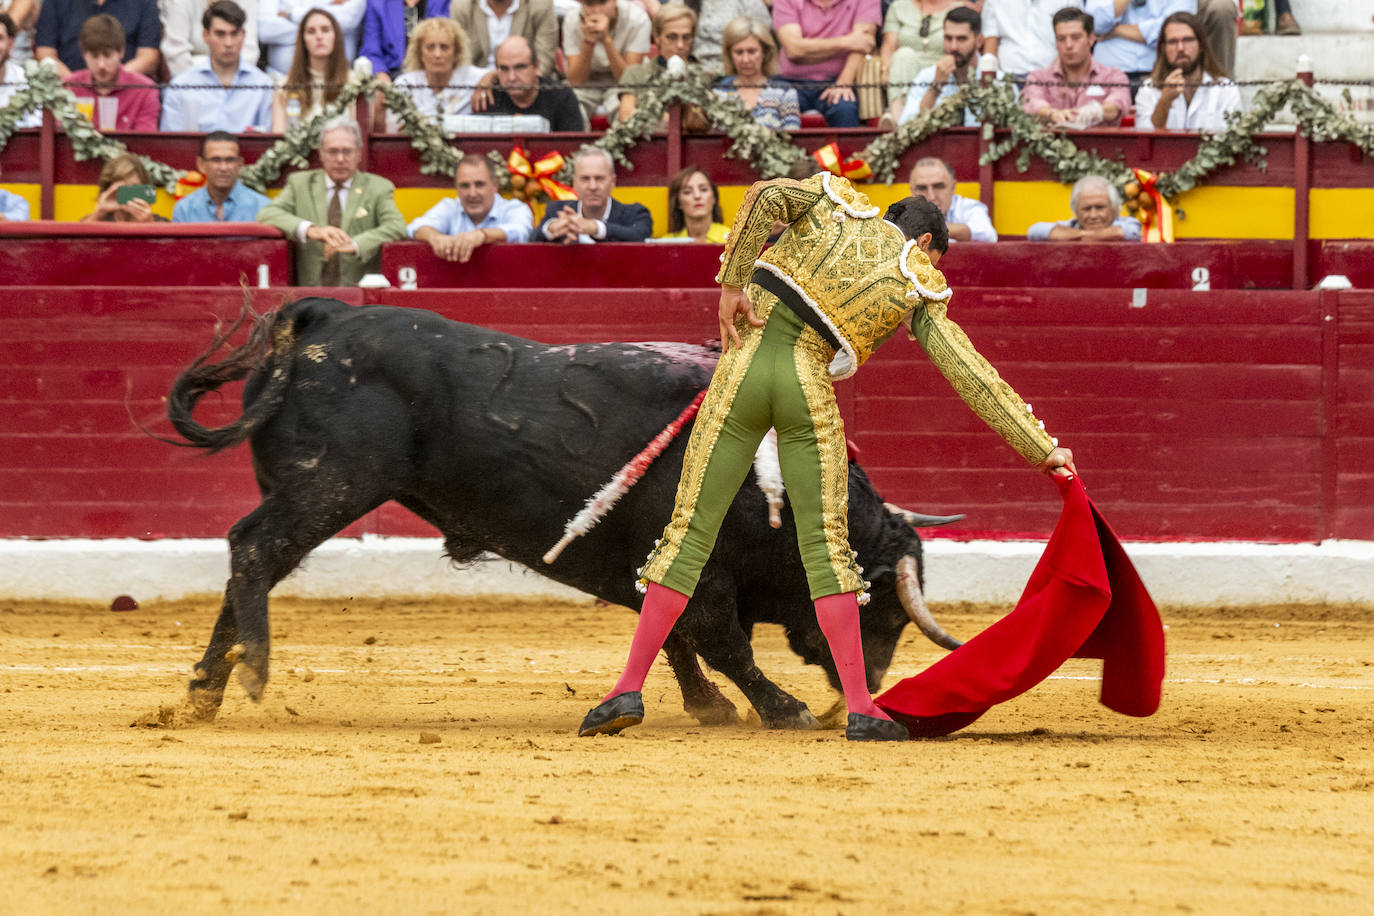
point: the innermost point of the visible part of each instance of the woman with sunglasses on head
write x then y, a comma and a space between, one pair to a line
913, 39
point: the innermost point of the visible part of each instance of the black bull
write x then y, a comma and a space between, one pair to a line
497, 441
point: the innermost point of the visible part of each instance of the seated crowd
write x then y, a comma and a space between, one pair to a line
265, 65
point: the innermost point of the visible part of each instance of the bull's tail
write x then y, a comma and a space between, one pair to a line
271, 338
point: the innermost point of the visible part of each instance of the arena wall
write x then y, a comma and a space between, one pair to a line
1200, 419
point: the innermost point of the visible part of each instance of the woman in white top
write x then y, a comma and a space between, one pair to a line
318, 71
25, 16
435, 75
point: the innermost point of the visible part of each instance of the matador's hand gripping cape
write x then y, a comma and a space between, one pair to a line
864, 280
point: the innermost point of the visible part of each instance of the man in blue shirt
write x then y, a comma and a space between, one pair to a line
58, 33
223, 199
456, 227
221, 94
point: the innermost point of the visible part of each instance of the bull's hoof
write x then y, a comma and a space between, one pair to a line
251, 668
204, 703
719, 711
802, 720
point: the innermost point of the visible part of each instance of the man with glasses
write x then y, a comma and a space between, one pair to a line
223, 199
520, 90
966, 219
1187, 89
338, 215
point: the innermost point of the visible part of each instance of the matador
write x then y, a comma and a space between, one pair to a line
838, 283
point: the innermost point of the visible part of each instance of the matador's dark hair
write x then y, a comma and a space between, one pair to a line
916, 216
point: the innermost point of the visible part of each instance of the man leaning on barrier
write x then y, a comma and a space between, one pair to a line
1096, 206
455, 227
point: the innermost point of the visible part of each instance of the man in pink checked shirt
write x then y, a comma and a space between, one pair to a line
1076, 91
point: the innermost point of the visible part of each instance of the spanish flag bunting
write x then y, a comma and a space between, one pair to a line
1156, 221
828, 157
190, 182
541, 171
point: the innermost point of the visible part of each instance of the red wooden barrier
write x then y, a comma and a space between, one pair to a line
1221, 264
1220, 415
50, 253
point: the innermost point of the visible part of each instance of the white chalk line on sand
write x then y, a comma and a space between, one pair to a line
136, 669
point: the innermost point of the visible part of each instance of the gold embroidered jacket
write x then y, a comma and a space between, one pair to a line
865, 280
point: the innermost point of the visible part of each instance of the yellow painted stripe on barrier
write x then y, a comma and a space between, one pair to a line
1212, 212
1341, 213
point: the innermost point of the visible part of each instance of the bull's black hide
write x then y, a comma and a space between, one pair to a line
497, 441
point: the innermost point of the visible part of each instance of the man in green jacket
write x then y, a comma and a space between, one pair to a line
338, 215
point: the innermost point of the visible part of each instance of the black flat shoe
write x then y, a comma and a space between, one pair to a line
871, 728
617, 714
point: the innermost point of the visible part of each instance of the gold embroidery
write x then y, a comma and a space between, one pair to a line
810, 354
715, 407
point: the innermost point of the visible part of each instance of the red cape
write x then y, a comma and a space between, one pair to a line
1084, 600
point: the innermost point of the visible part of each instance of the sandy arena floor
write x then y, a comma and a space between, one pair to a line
421, 758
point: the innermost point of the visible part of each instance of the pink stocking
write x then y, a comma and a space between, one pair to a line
662, 607
838, 616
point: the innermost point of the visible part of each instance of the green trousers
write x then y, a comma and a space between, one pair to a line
778, 378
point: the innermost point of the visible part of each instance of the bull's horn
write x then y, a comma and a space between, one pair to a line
920, 519
909, 591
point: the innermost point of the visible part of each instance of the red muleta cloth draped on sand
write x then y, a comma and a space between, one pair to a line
1084, 600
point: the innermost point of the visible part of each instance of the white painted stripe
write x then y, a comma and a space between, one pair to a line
992, 572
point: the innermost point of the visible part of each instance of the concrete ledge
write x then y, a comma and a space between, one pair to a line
1335, 572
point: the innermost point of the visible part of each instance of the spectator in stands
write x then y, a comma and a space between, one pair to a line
387, 25
751, 60
456, 227
913, 33
279, 23
123, 170
674, 28
1219, 18
595, 216
1186, 89
487, 23
694, 208
12, 206
23, 15
967, 219
192, 103
184, 43
105, 77
823, 48
223, 199
436, 74
1020, 33
605, 40
520, 90
338, 215
1076, 90
963, 34
1128, 31
714, 17
317, 74
12, 77
60, 23
1096, 206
